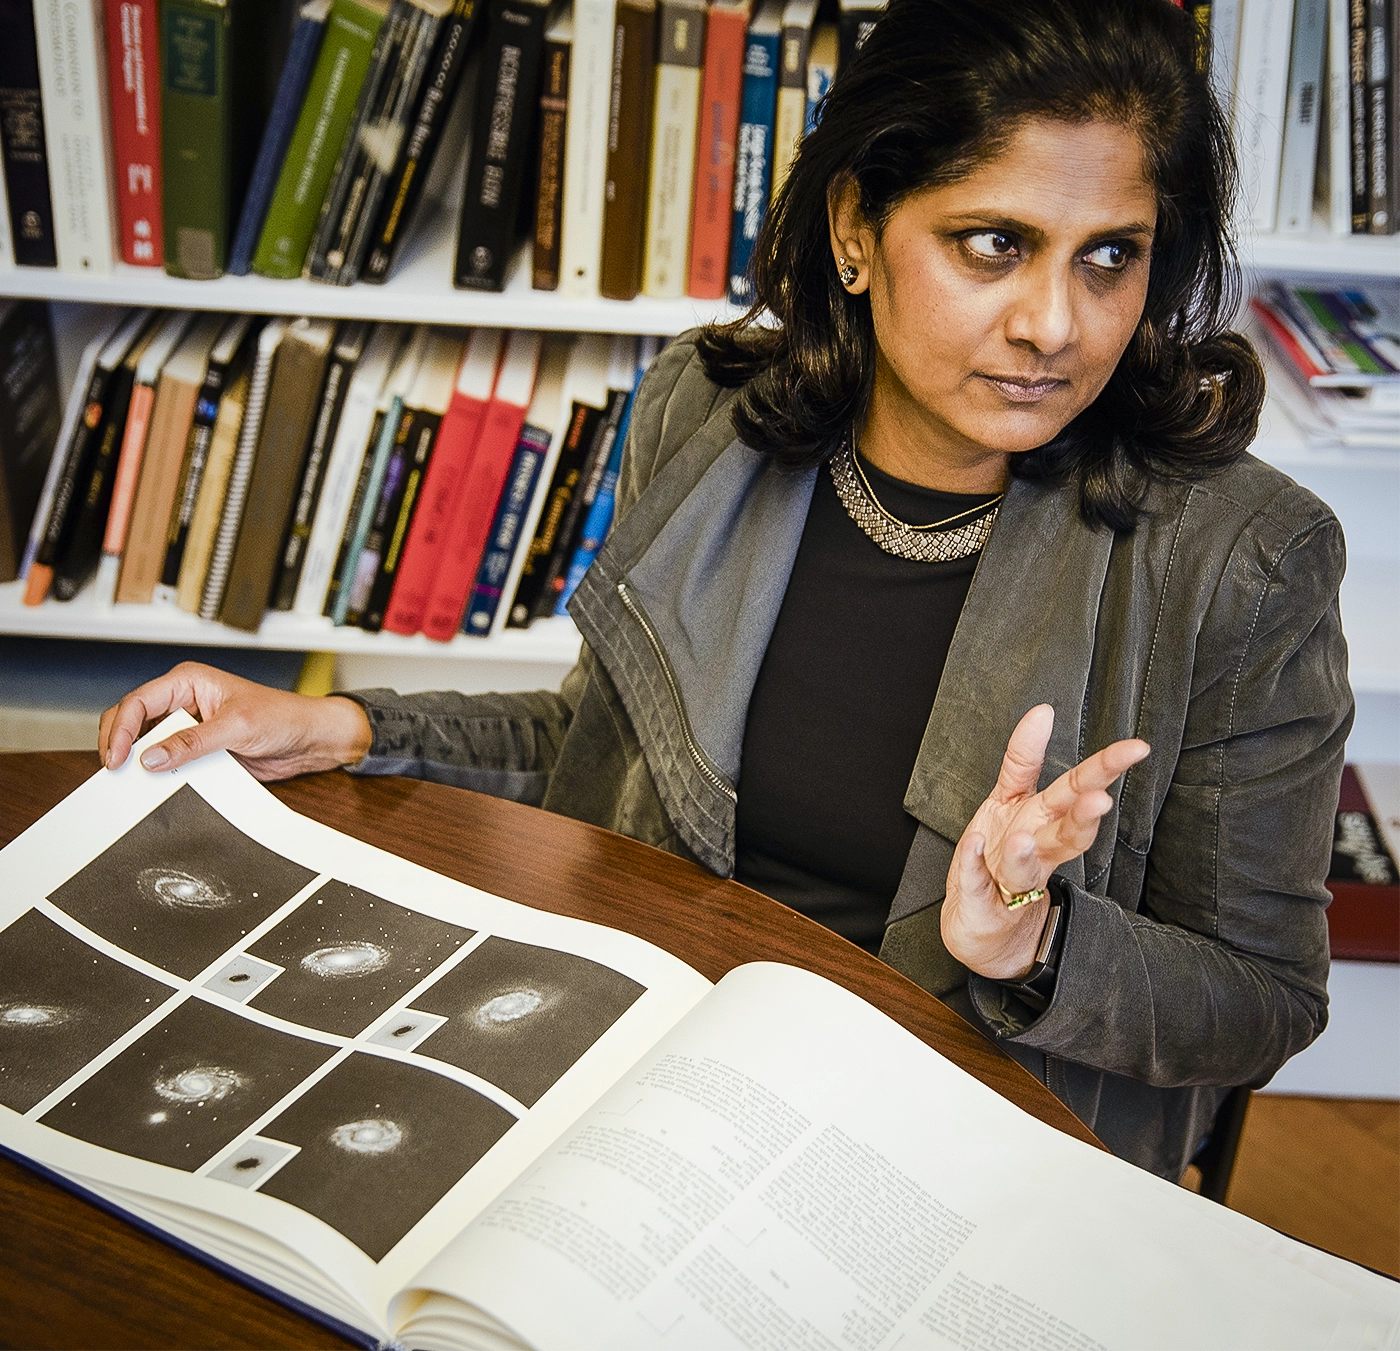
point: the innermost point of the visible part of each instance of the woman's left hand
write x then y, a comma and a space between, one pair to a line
1017, 838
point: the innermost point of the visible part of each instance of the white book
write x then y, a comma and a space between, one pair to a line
790, 109
343, 466
1334, 152
1302, 116
1224, 51
1261, 90
77, 134
496, 1127
675, 126
586, 147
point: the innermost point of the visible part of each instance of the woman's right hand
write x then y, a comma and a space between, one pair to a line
274, 734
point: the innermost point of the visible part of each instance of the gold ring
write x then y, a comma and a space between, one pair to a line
1016, 899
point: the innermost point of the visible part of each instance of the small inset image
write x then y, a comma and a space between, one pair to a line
519, 1015
252, 1163
347, 955
405, 1030
188, 1087
381, 1143
242, 977
61, 1004
181, 886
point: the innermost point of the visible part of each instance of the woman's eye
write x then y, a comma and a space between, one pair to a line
991, 244
1110, 257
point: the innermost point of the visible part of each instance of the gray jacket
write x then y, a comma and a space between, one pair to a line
1196, 953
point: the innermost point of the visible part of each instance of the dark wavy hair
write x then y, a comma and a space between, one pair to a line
938, 88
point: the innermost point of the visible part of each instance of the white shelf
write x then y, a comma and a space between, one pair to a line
549, 640
421, 291
1321, 251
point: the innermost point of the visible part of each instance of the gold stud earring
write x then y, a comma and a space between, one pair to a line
847, 272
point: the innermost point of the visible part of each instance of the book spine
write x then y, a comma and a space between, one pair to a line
350, 525
272, 151
598, 515
629, 141
714, 173
31, 416
367, 496
77, 470
1300, 135
857, 24
1334, 162
206, 412
496, 163
138, 423
790, 113
671, 195
586, 147
524, 473
25, 145
72, 74
213, 488
419, 454
401, 197
1360, 142
549, 197
133, 81
754, 160
1225, 51
1394, 148
1380, 72
315, 143
381, 510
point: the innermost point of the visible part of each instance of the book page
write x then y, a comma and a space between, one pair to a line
224, 1009
789, 1170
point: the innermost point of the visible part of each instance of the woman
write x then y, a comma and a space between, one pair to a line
983, 487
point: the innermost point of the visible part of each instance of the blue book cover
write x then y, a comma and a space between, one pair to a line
530, 451
753, 160
281, 122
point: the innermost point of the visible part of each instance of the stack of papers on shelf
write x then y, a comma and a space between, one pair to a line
1332, 357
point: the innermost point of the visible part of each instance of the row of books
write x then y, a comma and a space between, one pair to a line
388, 476
1364, 917
214, 136
1333, 355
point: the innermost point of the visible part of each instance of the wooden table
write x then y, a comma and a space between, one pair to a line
74, 1276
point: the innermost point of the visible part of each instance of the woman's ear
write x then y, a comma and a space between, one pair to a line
852, 240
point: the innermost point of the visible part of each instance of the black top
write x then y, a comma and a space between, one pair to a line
839, 710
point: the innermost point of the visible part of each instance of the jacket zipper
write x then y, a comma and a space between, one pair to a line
702, 761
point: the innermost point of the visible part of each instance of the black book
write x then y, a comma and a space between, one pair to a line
30, 416
22, 138
405, 187
576, 512
385, 512
858, 20
584, 419
345, 356
1380, 71
1360, 142
401, 58
505, 108
230, 357
357, 503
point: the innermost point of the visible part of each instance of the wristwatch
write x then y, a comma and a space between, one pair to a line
1037, 986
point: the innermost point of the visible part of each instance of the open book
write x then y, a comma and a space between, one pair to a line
437, 1119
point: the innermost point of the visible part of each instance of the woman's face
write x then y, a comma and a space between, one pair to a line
1002, 302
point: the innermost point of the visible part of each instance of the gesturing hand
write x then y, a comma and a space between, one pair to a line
275, 734
1018, 837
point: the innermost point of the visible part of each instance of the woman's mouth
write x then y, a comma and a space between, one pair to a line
1023, 389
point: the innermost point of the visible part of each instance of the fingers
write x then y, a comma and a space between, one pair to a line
1093, 775
218, 734
1025, 754
122, 725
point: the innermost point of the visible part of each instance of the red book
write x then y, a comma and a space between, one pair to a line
481, 488
456, 446
133, 81
720, 87
1307, 367
1363, 921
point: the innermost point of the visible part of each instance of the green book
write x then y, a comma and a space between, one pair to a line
216, 88
325, 118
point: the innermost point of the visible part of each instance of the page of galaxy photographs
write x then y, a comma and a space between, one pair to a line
360, 1119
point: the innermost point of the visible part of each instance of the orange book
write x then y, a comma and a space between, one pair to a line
714, 160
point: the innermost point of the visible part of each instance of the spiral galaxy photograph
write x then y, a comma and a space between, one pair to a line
188, 1087
181, 886
61, 1003
348, 955
518, 1015
380, 1143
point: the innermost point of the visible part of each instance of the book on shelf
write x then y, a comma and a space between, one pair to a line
321, 129
1380, 111
1363, 920
217, 86
1302, 115
281, 121
496, 1126
821, 67
549, 170
537, 430
292, 399
1360, 142
496, 162
753, 162
857, 20
1261, 90
446, 482
31, 411
1333, 196
629, 138
586, 147
133, 84
790, 112
22, 140
675, 129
